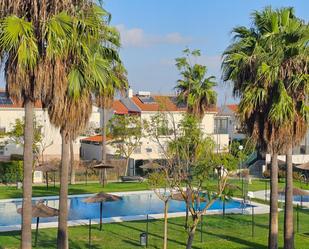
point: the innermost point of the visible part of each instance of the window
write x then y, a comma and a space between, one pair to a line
221, 125
2, 130
148, 150
2, 147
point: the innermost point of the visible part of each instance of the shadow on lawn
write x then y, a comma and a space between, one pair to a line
152, 233
250, 244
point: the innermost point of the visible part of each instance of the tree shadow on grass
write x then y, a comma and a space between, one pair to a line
250, 244
153, 234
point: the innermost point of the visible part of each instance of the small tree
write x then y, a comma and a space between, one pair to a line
16, 136
158, 182
126, 132
191, 163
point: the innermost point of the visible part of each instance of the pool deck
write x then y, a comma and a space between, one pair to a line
262, 196
258, 209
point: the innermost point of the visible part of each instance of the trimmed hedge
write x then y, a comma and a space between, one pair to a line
11, 172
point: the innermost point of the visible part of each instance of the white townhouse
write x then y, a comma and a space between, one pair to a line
11, 110
147, 105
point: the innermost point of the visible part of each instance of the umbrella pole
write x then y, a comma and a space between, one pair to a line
101, 214
54, 179
36, 231
86, 176
103, 177
46, 179
89, 233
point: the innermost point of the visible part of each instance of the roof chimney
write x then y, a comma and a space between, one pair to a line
130, 93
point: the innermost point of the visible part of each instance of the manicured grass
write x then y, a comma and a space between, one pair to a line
232, 232
11, 192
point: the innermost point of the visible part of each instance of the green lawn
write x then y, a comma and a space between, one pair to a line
231, 232
11, 192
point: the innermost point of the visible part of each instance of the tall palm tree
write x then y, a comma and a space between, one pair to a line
117, 82
85, 71
23, 51
195, 89
292, 55
256, 63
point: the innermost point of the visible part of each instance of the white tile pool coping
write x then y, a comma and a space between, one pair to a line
258, 209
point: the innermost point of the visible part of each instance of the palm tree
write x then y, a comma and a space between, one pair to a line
256, 63
292, 54
105, 96
85, 71
23, 52
195, 89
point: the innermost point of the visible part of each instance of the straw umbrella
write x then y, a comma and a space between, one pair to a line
40, 210
103, 166
297, 191
100, 198
47, 167
151, 166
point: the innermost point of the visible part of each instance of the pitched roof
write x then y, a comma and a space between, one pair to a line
119, 108
95, 139
233, 107
163, 103
8, 102
160, 103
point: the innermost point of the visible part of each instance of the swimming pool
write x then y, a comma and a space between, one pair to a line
132, 204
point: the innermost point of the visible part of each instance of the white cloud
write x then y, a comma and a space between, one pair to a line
136, 37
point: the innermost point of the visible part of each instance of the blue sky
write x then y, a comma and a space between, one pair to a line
154, 32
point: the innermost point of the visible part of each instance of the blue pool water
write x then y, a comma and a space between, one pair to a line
131, 204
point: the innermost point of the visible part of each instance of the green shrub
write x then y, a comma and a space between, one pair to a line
11, 172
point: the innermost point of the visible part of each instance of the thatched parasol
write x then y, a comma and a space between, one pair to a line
47, 167
179, 197
40, 210
304, 166
296, 191
151, 166
103, 166
100, 198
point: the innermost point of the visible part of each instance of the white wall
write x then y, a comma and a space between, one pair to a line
297, 159
51, 135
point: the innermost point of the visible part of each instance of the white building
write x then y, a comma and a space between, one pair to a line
147, 105
228, 115
10, 111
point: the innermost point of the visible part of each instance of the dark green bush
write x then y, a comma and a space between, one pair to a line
11, 172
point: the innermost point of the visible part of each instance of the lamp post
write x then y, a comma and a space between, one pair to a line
240, 167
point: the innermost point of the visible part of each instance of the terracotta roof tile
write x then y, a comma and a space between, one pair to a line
163, 103
233, 107
97, 138
120, 108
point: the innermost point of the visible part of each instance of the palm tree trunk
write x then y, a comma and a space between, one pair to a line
288, 214
27, 177
72, 174
273, 215
165, 224
62, 236
102, 173
192, 233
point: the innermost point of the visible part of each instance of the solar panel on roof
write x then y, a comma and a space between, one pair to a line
147, 99
4, 99
177, 103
